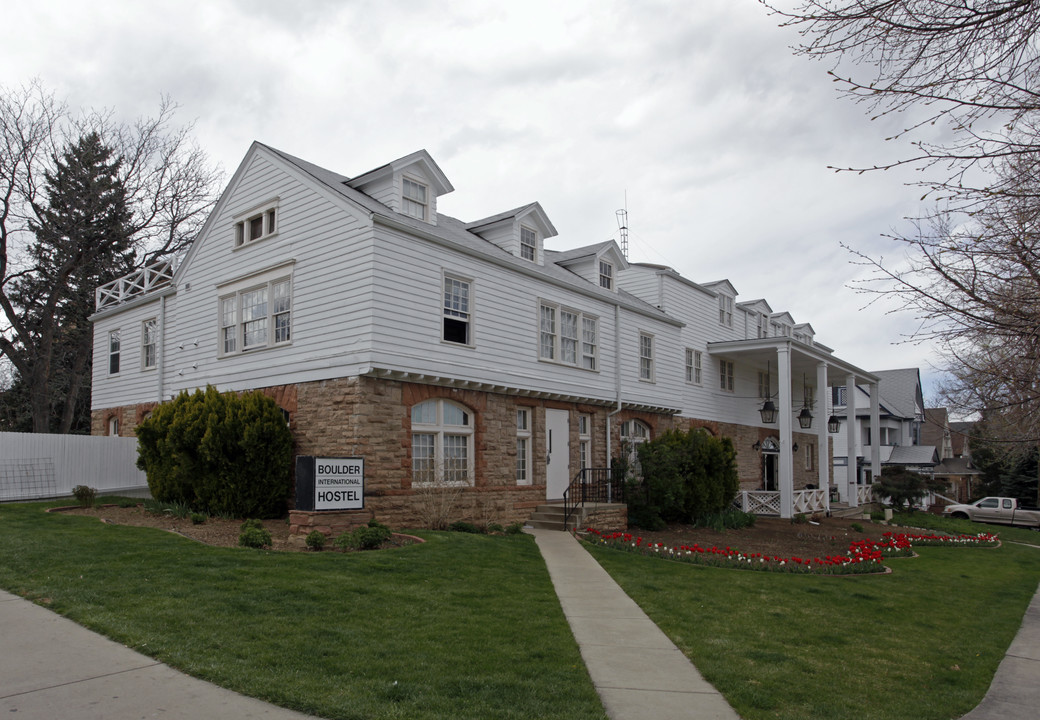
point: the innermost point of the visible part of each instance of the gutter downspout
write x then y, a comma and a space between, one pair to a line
617, 386
160, 361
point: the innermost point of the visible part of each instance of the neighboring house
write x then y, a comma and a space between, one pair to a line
951, 441
452, 353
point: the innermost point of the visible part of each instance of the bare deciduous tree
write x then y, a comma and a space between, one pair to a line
973, 66
169, 189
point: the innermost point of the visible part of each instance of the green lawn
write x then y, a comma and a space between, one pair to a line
462, 626
920, 643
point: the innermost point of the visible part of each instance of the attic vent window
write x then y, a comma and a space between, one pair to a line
606, 275
528, 243
414, 204
255, 227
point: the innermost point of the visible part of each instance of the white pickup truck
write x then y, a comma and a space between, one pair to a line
998, 510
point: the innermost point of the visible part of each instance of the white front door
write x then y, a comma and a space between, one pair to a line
557, 453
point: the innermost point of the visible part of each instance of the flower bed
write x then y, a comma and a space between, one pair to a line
863, 557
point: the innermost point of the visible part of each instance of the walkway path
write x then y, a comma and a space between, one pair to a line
638, 672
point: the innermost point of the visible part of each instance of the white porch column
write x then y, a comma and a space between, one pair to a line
851, 494
783, 371
875, 430
822, 455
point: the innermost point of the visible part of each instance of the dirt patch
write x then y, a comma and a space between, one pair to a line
215, 531
775, 536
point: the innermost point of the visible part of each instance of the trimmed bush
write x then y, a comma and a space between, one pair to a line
86, 496
224, 454
365, 537
254, 537
315, 540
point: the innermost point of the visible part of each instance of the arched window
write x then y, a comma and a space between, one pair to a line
442, 444
113, 425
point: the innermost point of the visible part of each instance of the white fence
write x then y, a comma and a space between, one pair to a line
767, 502
34, 466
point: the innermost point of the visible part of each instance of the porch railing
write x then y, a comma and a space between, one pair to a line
759, 502
590, 485
865, 494
767, 502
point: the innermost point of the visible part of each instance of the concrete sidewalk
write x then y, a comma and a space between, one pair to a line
50, 667
638, 673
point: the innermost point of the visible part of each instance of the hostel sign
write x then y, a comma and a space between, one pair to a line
324, 483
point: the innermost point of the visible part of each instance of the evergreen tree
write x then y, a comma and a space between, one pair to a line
82, 240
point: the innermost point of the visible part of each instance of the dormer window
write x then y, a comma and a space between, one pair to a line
256, 226
414, 202
528, 243
606, 275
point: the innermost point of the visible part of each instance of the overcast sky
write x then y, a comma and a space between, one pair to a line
696, 111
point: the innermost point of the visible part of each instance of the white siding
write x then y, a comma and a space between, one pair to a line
132, 384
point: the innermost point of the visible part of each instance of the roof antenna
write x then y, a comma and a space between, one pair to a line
622, 221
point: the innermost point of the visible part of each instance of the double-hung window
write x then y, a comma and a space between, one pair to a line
606, 275
256, 312
646, 357
584, 441
413, 200
528, 243
725, 310
113, 352
567, 336
726, 375
457, 311
693, 366
523, 446
589, 343
149, 343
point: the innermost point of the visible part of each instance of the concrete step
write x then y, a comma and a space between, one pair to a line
551, 516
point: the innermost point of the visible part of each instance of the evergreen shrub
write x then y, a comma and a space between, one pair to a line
220, 453
685, 475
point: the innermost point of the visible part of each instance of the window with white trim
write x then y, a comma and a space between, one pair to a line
457, 311
528, 243
523, 446
763, 326
726, 375
149, 343
633, 434
810, 456
606, 275
442, 444
646, 357
113, 426
584, 441
255, 226
567, 336
255, 313
413, 199
725, 310
113, 352
589, 343
693, 366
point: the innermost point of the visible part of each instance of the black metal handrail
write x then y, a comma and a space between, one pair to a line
590, 485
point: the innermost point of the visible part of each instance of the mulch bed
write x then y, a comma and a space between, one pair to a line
215, 531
